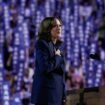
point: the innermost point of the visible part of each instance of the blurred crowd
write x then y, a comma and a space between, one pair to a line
83, 33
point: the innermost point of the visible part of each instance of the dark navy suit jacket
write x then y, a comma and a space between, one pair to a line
49, 79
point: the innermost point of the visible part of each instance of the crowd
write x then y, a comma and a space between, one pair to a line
83, 33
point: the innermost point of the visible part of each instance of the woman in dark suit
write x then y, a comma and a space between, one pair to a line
49, 79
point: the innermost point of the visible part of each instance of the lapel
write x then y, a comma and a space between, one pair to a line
51, 48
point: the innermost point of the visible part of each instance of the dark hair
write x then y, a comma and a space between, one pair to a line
45, 28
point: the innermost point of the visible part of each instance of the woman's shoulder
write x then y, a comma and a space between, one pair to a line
41, 43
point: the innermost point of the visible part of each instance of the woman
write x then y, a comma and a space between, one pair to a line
48, 81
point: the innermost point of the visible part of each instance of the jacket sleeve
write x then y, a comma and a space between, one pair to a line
46, 64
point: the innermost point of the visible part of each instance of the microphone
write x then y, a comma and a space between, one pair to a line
95, 56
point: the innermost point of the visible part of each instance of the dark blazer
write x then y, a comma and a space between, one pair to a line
49, 78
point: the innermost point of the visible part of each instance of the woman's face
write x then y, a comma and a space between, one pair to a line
56, 30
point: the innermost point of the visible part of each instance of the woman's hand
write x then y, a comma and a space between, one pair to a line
64, 102
58, 52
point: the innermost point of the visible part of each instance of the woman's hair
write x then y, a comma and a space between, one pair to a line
45, 28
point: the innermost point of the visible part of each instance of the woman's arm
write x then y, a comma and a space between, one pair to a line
46, 63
